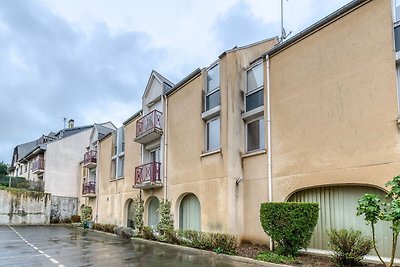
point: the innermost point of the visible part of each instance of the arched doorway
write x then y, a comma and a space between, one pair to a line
338, 209
153, 215
130, 212
189, 213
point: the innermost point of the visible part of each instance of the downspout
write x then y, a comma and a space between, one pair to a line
269, 144
97, 180
165, 147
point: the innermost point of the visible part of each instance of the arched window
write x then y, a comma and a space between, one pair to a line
189, 213
130, 211
153, 216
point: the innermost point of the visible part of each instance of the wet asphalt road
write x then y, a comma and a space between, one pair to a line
65, 246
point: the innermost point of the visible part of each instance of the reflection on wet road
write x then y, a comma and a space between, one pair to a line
64, 246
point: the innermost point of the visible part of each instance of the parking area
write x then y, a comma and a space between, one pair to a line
67, 246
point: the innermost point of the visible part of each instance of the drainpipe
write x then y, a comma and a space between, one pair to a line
165, 147
269, 144
97, 180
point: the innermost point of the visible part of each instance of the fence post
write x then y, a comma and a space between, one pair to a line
9, 181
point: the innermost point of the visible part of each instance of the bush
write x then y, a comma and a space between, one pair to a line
147, 233
223, 243
219, 243
117, 230
289, 224
75, 218
275, 258
348, 246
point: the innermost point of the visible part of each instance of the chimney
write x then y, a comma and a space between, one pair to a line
71, 123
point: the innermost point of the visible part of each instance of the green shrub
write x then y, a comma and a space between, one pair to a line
275, 258
348, 246
223, 243
147, 233
75, 218
289, 224
138, 205
166, 225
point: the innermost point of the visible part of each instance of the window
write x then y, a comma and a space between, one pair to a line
213, 134
255, 135
396, 10
255, 87
113, 168
155, 155
212, 98
121, 167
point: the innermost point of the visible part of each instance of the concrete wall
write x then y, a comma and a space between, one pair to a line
63, 208
24, 207
62, 164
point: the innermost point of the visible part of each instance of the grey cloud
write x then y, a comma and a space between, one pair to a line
49, 70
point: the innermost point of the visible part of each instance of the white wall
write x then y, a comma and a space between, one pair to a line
62, 164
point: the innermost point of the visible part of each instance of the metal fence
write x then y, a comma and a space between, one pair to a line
20, 182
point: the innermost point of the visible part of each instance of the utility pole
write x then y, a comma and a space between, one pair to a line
283, 32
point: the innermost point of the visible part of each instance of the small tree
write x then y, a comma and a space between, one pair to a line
166, 224
373, 209
138, 205
3, 169
86, 216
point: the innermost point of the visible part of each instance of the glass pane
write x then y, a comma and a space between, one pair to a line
213, 78
255, 100
397, 38
253, 136
255, 78
397, 10
213, 100
213, 134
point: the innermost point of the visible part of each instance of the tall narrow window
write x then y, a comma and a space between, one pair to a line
255, 135
213, 134
212, 88
397, 25
255, 87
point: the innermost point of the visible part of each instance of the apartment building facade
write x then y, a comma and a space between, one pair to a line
312, 119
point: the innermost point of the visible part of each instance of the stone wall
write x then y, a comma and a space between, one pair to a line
62, 208
19, 207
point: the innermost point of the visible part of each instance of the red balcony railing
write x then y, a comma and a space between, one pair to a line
150, 123
89, 188
90, 159
148, 175
38, 166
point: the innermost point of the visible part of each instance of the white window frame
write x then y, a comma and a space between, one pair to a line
246, 135
208, 93
247, 93
206, 135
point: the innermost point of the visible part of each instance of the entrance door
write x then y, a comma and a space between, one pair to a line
153, 214
189, 213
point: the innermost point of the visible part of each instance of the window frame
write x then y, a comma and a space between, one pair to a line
206, 134
257, 89
247, 135
218, 88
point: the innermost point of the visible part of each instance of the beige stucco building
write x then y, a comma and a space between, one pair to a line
313, 118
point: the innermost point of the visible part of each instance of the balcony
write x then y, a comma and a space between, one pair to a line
38, 166
149, 127
90, 159
148, 176
89, 189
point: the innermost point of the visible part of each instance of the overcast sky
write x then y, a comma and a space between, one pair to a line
90, 59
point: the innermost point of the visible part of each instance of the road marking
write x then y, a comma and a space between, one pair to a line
35, 248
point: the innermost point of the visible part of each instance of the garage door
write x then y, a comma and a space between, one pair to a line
338, 208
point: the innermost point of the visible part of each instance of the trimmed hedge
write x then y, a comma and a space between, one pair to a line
290, 224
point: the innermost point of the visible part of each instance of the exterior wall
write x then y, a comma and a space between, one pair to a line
334, 105
62, 164
24, 207
212, 178
114, 194
63, 208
